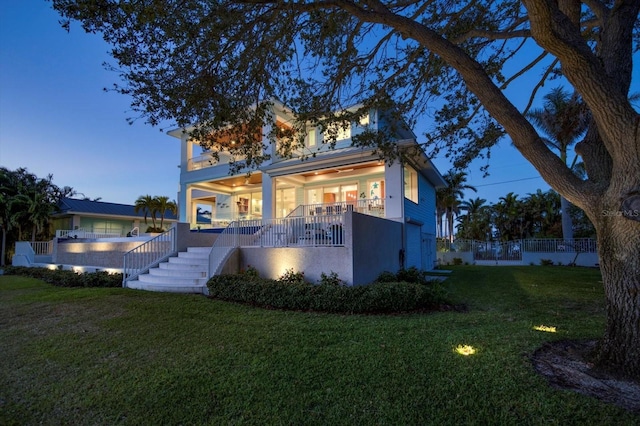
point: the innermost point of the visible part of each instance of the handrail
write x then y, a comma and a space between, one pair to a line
369, 206
148, 254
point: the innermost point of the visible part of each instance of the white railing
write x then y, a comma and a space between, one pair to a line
42, 247
207, 160
149, 254
558, 245
81, 233
372, 207
535, 245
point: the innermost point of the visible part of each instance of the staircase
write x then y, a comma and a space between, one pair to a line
185, 273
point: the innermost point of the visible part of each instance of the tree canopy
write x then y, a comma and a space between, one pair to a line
216, 63
26, 203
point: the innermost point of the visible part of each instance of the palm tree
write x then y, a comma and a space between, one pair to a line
475, 223
149, 207
163, 205
564, 119
449, 197
507, 217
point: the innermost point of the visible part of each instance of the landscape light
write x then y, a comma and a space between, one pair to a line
545, 328
465, 350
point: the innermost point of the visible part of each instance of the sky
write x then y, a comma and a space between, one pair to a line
55, 118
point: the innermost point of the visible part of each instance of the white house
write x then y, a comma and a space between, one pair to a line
341, 210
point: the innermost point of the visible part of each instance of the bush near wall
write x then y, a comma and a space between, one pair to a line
378, 297
65, 278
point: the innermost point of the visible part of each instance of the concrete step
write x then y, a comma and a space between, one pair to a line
189, 261
168, 288
180, 273
183, 266
193, 255
205, 250
158, 279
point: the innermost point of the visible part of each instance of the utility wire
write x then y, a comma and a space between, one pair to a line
508, 181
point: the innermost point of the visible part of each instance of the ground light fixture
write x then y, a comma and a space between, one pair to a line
544, 328
465, 350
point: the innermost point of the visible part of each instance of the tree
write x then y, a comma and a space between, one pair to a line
217, 63
26, 202
449, 198
564, 119
475, 223
164, 205
149, 206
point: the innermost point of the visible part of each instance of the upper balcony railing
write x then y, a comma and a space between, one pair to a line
207, 160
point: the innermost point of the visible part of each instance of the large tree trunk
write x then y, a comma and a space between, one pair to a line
567, 224
619, 252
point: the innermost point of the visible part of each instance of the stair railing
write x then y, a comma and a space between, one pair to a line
148, 255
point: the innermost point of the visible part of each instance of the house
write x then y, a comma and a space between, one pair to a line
374, 216
77, 217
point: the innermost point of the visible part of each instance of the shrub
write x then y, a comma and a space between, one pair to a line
457, 261
387, 277
290, 277
408, 275
61, 278
546, 262
374, 298
331, 279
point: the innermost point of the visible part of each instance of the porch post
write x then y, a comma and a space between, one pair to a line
394, 192
268, 199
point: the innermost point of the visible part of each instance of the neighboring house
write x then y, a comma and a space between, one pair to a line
331, 183
97, 217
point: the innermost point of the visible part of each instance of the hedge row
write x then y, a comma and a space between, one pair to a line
60, 278
378, 297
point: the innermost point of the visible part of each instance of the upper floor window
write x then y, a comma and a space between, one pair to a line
410, 184
311, 138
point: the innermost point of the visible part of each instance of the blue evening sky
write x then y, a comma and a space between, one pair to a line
56, 118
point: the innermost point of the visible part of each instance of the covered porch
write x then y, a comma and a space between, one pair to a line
293, 189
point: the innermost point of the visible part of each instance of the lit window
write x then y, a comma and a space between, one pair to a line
411, 184
311, 138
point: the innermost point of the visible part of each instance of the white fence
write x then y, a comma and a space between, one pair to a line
81, 233
579, 251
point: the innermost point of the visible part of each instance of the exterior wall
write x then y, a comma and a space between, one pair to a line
187, 238
103, 225
583, 259
376, 247
421, 221
102, 254
528, 258
273, 262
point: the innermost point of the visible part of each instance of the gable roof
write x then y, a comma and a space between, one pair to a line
71, 206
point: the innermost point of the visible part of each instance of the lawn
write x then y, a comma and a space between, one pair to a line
118, 356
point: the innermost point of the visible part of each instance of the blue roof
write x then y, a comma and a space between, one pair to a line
76, 206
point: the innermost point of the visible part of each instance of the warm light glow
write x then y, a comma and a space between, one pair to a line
465, 350
545, 328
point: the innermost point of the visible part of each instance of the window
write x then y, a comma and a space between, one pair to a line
410, 184
375, 189
332, 194
285, 201
311, 138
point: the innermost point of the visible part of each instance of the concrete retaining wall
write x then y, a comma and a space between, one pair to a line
528, 258
273, 262
102, 253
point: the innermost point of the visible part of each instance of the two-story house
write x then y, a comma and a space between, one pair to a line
320, 190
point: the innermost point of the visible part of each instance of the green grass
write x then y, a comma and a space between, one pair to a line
116, 356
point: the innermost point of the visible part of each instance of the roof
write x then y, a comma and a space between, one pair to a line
70, 206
